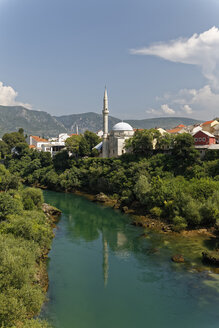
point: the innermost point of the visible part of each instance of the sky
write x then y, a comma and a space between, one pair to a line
158, 58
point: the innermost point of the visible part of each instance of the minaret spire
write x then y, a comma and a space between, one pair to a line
105, 124
105, 112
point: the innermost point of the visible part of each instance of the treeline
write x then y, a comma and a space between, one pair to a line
177, 186
25, 237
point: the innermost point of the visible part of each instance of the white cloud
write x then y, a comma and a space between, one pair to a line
203, 101
153, 111
167, 110
187, 109
8, 97
200, 49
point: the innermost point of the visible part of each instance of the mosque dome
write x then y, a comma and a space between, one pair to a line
122, 126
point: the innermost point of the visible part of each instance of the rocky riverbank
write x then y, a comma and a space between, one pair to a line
53, 214
209, 258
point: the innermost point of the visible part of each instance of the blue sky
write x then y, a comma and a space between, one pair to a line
57, 56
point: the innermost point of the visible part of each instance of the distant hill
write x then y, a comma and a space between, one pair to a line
33, 122
93, 122
85, 121
43, 124
162, 122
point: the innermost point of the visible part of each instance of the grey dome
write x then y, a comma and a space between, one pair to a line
122, 126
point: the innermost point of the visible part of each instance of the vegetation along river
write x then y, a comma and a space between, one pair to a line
104, 272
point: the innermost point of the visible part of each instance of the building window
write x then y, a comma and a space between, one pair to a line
200, 139
204, 139
196, 139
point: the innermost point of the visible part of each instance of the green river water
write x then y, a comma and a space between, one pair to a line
104, 273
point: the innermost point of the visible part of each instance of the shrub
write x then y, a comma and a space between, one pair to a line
156, 212
179, 223
9, 205
32, 197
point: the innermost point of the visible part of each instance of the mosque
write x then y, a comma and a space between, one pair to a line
114, 141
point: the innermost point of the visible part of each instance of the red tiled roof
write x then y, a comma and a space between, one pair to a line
207, 122
32, 146
39, 139
175, 130
180, 126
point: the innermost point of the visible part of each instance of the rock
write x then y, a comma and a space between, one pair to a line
166, 229
51, 211
125, 209
101, 197
211, 257
116, 206
178, 258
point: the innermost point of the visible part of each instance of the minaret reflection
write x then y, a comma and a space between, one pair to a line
105, 260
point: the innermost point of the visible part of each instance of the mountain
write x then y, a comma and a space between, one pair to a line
43, 124
85, 121
93, 122
33, 122
162, 122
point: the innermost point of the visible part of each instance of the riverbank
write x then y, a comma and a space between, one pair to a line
53, 214
26, 234
201, 236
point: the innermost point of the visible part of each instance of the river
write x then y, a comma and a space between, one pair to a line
106, 273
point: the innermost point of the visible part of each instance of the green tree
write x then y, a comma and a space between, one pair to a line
142, 189
72, 144
4, 149
184, 152
143, 141
12, 139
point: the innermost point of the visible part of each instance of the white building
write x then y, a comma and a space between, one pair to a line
41, 144
113, 144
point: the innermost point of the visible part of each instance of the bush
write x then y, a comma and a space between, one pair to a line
31, 226
179, 223
32, 197
156, 212
9, 205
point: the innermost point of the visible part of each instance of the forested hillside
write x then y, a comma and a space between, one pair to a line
45, 125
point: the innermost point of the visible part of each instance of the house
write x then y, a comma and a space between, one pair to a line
204, 138
178, 129
44, 145
209, 125
36, 142
216, 132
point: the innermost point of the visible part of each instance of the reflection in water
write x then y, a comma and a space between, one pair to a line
105, 261
96, 247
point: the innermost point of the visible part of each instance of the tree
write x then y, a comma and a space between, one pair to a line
184, 152
4, 149
165, 142
9, 205
92, 139
143, 141
61, 160
21, 131
84, 148
72, 144
12, 139
142, 188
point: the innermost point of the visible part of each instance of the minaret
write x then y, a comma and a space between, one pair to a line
105, 125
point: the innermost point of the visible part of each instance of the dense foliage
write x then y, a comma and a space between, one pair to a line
170, 182
25, 236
